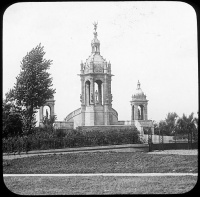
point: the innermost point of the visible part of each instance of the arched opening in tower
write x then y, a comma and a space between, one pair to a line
46, 112
140, 112
98, 88
87, 93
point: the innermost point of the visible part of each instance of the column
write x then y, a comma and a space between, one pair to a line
41, 114
142, 112
82, 91
87, 94
132, 112
51, 110
92, 97
106, 101
135, 112
100, 93
105, 92
145, 112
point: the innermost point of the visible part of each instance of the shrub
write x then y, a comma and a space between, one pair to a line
43, 138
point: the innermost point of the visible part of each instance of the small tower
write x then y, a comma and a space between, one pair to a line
139, 116
139, 105
50, 103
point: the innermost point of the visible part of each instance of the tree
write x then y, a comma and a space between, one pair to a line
163, 127
12, 120
33, 86
156, 128
187, 124
170, 122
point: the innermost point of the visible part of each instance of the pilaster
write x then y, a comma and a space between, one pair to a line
145, 112
135, 112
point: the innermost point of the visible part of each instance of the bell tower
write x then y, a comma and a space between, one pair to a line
96, 97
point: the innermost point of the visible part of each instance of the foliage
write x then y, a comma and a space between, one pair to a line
156, 128
33, 86
45, 138
12, 120
186, 124
49, 122
163, 127
180, 126
168, 126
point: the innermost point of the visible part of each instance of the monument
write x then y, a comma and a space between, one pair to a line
96, 97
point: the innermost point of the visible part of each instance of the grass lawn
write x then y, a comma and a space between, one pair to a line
99, 185
102, 162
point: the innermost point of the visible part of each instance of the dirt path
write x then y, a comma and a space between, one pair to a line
179, 152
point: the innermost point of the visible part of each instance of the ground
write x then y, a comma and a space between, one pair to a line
179, 161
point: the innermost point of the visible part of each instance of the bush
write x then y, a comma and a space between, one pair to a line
43, 139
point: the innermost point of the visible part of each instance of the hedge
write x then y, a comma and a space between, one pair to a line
43, 139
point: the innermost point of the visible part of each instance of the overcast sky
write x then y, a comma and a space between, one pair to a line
153, 42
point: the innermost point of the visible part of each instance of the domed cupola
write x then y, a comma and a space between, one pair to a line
95, 63
139, 94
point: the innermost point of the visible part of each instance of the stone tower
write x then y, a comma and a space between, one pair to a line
139, 111
96, 98
139, 105
50, 103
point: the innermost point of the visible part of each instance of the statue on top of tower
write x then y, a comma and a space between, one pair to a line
95, 25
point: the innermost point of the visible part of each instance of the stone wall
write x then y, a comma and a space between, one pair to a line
105, 128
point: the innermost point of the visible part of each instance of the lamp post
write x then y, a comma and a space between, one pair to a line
174, 130
160, 139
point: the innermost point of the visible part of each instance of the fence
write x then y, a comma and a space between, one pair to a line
161, 142
25, 146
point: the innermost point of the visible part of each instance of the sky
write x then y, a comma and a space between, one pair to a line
153, 42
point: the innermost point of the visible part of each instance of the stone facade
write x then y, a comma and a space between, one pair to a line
139, 113
96, 98
50, 103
